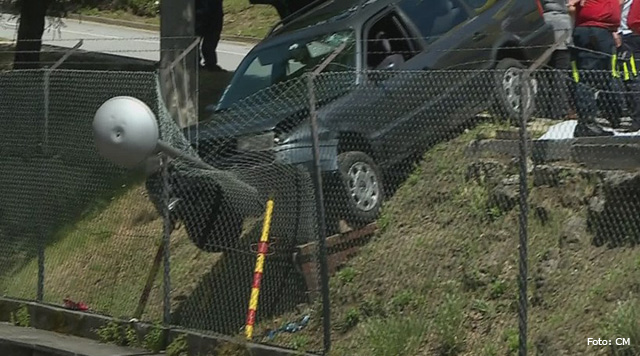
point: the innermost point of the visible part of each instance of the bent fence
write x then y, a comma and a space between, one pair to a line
491, 222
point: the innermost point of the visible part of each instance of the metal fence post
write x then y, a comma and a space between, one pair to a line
317, 175
322, 228
42, 245
166, 241
525, 96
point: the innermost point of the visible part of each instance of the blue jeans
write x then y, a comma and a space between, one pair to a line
592, 56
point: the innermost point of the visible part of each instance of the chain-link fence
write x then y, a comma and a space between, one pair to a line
459, 210
60, 198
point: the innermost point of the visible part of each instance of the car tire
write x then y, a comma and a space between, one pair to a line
357, 192
507, 84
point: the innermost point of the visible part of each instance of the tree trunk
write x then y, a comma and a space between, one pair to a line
30, 30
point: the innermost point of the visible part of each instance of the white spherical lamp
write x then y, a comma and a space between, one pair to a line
125, 131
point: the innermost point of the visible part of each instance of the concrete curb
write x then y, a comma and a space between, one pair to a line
84, 325
606, 153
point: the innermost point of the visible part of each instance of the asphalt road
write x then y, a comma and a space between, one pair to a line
118, 40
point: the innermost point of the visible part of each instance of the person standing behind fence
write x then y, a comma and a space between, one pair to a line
628, 51
596, 24
209, 21
558, 99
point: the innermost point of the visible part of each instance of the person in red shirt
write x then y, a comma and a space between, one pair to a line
595, 39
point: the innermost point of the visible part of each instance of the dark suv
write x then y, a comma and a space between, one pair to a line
412, 68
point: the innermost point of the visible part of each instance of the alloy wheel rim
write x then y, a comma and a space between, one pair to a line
364, 189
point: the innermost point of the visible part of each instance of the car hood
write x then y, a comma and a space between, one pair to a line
279, 108
257, 113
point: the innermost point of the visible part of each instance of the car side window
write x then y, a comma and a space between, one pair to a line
388, 43
434, 18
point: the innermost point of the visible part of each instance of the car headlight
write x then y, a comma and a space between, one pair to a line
261, 142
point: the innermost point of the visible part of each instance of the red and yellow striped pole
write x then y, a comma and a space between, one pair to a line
263, 247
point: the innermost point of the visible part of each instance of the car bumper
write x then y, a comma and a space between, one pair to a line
302, 155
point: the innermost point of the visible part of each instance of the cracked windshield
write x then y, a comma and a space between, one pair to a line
286, 61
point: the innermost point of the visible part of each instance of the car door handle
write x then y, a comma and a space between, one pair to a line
478, 36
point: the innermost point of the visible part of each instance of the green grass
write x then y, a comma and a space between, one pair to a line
104, 260
242, 20
441, 277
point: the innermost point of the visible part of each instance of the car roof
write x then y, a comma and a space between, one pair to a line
333, 14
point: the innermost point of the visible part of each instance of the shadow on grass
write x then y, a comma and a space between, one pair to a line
220, 302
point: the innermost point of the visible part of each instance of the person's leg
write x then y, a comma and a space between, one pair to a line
592, 62
544, 96
609, 83
560, 96
633, 85
215, 32
208, 50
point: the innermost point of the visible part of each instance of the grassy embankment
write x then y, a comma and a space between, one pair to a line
242, 20
440, 277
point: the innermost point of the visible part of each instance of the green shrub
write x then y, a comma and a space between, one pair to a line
624, 323
21, 317
449, 325
397, 335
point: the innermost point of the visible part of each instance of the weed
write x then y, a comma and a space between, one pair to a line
477, 200
481, 306
232, 349
346, 275
414, 178
21, 317
154, 340
300, 342
113, 333
512, 339
131, 336
449, 325
497, 289
178, 347
403, 299
490, 350
351, 319
372, 306
624, 323
383, 221
396, 335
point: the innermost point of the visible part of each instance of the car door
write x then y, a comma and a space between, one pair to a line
458, 49
429, 95
383, 100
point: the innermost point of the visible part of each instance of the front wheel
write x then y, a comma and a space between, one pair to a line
356, 196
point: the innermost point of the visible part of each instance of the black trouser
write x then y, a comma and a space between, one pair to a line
555, 96
211, 31
630, 77
593, 57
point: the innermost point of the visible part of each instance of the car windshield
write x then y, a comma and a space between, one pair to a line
286, 61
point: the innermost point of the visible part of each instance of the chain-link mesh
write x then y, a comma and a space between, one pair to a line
433, 158
433, 246
61, 196
222, 210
